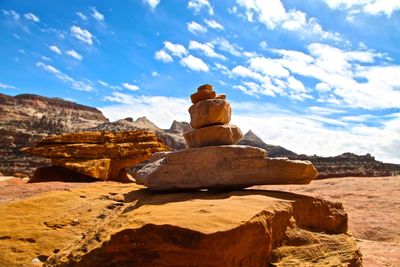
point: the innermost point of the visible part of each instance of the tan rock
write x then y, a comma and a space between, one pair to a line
202, 95
209, 112
213, 136
220, 96
207, 87
222, 167
124, 225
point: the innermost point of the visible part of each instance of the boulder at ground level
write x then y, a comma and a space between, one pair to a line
112, 224
213, 136
222, 167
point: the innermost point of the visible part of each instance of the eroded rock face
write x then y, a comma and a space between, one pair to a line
125, 225
222, 167
101, 155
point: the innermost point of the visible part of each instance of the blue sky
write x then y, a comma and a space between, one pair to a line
317, 77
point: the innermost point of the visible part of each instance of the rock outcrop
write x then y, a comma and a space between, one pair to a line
125, 225
100, 155
212, 161
26, 118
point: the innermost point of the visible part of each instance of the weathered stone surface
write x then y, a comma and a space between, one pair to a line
124, 225
202, 95
101, 155
210, 112
213, 136
207, 87
220, 96
222, 167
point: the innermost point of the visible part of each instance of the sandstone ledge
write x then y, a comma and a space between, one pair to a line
113, 224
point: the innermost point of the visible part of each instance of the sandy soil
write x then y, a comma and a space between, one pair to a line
372, 203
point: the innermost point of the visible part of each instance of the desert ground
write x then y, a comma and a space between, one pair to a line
372, 204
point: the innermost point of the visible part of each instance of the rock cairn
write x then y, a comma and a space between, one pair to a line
213, 160
210, 115
100, 155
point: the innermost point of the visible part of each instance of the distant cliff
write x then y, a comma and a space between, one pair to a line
27, 118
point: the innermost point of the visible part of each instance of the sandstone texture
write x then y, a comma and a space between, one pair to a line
210, 112
202, 95
213, 135
112, 224
100, 155
221, 167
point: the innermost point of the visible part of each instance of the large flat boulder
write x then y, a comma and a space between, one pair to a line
222, 167
112, 224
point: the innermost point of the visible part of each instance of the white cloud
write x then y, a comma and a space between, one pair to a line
175, 49
350, 78
206, 48
196, 28
7, 86
160, 110
78, 85
11, 13
82, 16
273, 15
105, 84
198, 5
154, 74
163, 56
213, 24
97, 15
74, 54
370, 7
152, 3
225, 45
131, 87
194, 63
82, 34
263, 45
32, 17
55, 49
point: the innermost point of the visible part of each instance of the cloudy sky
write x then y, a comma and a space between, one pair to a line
317, 77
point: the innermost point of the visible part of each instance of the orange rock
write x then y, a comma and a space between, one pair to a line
202, 95
101, 155
210, 112
207, 87
220, 96
213, 136
123, 225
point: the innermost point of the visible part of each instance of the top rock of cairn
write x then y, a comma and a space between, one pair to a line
210, 115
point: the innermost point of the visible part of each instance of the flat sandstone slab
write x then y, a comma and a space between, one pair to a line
230, 166
111, 224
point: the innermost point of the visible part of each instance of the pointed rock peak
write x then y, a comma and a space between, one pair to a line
143, 122
179, 127
251, 135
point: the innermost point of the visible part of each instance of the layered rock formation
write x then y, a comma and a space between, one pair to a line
213, 161
100, 155
124, 225
26, 118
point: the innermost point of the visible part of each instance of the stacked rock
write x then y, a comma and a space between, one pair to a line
210, 115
